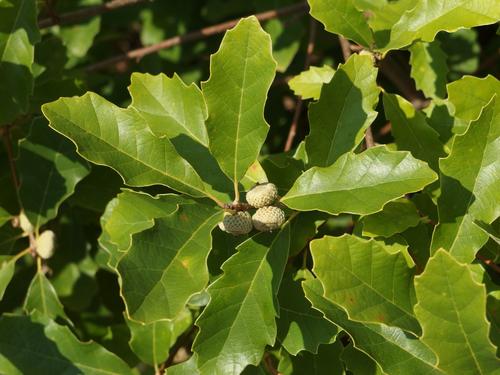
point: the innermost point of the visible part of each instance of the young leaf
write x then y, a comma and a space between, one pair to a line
395, 351
369, 282
470, 183
169, 106
411, 130
429, 17
396, 217
343, 112
300, 327
166, 264
468, 107
452, 311
342, 17
120, 138
359, 183
239, 320
57, 172
241, 72
429, 68
30, 347
308, 84
18, 34
42, 297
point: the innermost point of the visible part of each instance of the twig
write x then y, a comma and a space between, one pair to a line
346, 47
269, 365
369, 138
194, 35
298, 107
489, 263
5, 133
81, 14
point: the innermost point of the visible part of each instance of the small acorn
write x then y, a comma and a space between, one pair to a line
268, 218
236, 224
25, 224
45, 244
262, 195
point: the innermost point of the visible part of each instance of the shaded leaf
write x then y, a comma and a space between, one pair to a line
396, 217
343, 112
357, 362
369, 282
166, 264
325, 362
241, 73
396, 352
451, 309
470, 182
42, 297
308, 84
300, 327
18, 34
411, 130
239, 320
57, 172
359, 183
29, 347
7, 269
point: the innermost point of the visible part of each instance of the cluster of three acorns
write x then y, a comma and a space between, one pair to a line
267, 217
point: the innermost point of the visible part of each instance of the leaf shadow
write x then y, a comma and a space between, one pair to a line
457, 199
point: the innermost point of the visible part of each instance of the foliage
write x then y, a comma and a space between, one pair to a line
387, 262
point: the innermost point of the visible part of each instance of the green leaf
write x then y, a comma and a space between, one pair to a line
463, 51
129, 213
411, 130
286, 38
396, 352
42, 297
396, 217
343, 112
359, 183
4, 216
470, 183
325, 362
357, 362
241, 73
166, 264
452, 311
7, 269
468, 107
369, 282
429, 68
308, 84
239, 320
429, 17
342, 17
120, 138
151, 342
58, 170
300, 327
18, 34
29, 347
169, 106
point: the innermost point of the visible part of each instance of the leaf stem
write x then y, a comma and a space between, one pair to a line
195, 35
21, 254
236, 192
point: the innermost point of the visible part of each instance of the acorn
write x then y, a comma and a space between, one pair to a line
237, 223
267, 219
262, 195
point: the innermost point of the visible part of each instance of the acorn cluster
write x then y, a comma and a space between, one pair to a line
267, 217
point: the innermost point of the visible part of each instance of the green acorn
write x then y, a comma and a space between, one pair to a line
236, 224
269, 218
262, 195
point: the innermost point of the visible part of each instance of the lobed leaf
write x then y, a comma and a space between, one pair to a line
308, 84
239, 320
359, 183
429, 68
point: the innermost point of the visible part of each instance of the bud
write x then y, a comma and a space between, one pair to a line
45, 244
236, 224
24, 223
268, 218
262, 195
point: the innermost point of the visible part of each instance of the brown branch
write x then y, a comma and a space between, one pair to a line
395, 73
194, 35
82, 14
489, 263
346, 47
298, 107
369, 138
5, 133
